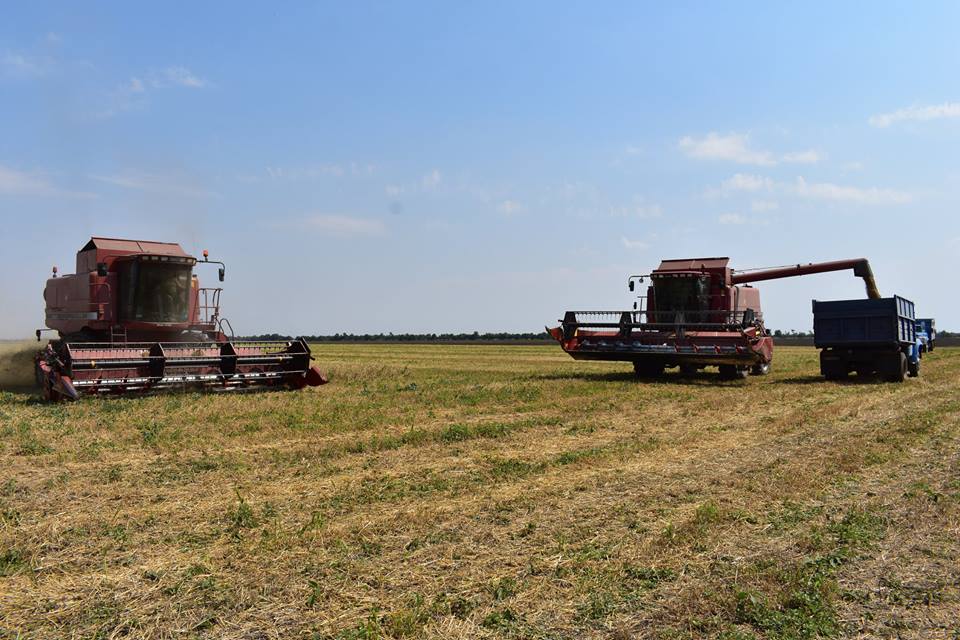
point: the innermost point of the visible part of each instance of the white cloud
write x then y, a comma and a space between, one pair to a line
639, 209
431, 180
811, 190
734, 147
21, 183
746, 182
309, 172
840, 193
634, 244
133, 93
760, 206
511, 207
917, 113
18, 182
802, 157
344, 225
633, 150
177, 77
731, 218
155, 184
135, 85
18, 64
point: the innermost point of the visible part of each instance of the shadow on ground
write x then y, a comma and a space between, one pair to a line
850, 381
690, 380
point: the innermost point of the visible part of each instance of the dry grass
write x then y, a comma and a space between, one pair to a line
480, 491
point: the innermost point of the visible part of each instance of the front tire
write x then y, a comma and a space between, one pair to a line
647, 369
913, 369
732, 372
760, 369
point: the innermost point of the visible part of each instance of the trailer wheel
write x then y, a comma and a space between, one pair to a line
732, 372
760, 369
834, 370
900, 368
913, 369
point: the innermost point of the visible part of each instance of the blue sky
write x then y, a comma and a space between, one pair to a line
367, 167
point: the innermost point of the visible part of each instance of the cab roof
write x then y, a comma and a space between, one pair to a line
107, 250
120, 246
693, 264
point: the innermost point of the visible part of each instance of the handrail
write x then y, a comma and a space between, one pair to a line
208, 305
627, 322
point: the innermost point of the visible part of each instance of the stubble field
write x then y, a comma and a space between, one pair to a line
489, 492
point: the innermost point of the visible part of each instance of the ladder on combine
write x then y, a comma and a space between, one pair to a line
118, 334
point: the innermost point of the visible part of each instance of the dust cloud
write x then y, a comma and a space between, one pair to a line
16, 364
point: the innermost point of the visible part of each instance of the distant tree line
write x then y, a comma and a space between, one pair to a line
476, 336
792, 334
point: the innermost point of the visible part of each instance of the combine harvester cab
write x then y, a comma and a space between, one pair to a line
696, 313
134, 319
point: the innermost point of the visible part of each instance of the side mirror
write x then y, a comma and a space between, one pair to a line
630, 285
222, 273
102, 269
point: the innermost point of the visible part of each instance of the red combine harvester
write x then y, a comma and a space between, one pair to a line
134, 318
694, 315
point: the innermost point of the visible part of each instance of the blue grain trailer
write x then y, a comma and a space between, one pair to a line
927, 333
867, 336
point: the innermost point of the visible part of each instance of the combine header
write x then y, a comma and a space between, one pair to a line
134, 318
695, 314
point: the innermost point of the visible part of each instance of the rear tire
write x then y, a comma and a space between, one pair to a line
834, 371
688, 370
913, 370
899, 362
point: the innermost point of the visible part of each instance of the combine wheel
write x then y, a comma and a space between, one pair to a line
732, 372
688, 370
760, 369
648, 369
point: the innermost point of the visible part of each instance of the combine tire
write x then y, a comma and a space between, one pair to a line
643, 369
760, 369
688, 370
899, 363
732, 372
